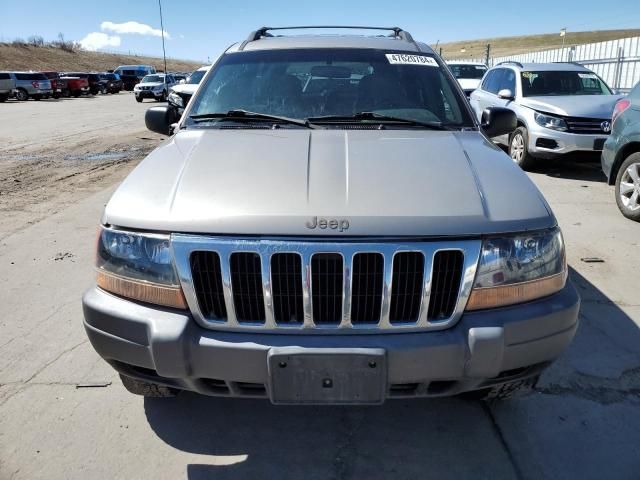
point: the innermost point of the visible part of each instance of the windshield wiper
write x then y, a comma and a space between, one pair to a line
376, 117
244, 116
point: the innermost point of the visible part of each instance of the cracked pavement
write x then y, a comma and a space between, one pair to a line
583, 421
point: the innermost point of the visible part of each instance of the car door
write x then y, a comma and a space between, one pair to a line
484, 96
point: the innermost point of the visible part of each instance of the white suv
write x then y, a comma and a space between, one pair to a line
561, 108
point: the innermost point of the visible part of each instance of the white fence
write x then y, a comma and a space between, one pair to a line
616, 61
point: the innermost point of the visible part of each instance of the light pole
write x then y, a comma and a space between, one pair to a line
164, 55
563, 34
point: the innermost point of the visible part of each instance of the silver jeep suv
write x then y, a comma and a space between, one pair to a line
328, 223
562, 108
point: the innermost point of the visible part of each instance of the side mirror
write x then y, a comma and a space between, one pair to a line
506, 94
159, 119
498, 121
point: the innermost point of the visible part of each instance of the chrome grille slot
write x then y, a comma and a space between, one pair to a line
324, 286
286, 287
445, 283
246, 279
366, 290
327, 277
207, 281
406, 292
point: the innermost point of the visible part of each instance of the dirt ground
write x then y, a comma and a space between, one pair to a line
66, 159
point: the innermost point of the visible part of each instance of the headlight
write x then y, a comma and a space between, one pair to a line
176, 99
138, 266
549, 121
518, 269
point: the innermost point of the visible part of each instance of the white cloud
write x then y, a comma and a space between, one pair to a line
132, 27
97, 40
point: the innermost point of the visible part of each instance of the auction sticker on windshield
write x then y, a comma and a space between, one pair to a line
403, 59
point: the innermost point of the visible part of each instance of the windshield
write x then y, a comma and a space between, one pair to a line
549, 83
153, 79
196, 76
305, 83
468, 71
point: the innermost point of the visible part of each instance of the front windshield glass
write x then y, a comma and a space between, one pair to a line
196, 76
468, 71
550, 83
153, 79
305, 83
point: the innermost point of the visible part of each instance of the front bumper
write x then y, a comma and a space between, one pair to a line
148, 94
484, 348
565, 142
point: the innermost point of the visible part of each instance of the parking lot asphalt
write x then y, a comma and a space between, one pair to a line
64, 413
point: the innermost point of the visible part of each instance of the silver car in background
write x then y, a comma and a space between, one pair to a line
7, 86
154, 86
561, 108
31, 85
468, 74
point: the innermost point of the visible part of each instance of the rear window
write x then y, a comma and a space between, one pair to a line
468, 71
552, 83
30, 76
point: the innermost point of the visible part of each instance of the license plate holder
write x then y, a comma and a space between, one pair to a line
598, 144
327, 376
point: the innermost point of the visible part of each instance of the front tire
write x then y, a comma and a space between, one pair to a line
628, 187
519, 148
147, 389
138, 99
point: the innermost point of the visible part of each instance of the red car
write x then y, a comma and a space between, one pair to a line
76, 86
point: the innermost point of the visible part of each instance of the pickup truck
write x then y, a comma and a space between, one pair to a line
59, 86
76, 85
328, 223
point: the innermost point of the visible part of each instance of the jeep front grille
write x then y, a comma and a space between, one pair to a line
325, 286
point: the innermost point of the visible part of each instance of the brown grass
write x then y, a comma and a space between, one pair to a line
49, 58
503, 46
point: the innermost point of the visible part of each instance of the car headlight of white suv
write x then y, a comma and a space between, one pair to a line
519, 268
549, 121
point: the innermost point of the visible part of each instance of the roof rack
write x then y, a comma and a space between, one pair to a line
264, 32
518, 64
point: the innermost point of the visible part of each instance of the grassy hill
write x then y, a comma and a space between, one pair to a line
503, 46
28, 57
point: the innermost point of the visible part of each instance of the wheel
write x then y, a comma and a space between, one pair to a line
628, 187
66, 93
37, 98
504, 391
76, 94
519, 150
56, 96
147, 389
22, 95
3, 98
164, 96
138, 99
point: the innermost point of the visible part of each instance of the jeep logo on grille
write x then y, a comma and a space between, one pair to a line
339, 224
605, 126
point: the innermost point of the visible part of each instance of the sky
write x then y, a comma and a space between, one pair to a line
201, 30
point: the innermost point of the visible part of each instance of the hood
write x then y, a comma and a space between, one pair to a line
469, 83
587, 106
188, 88
274, 182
